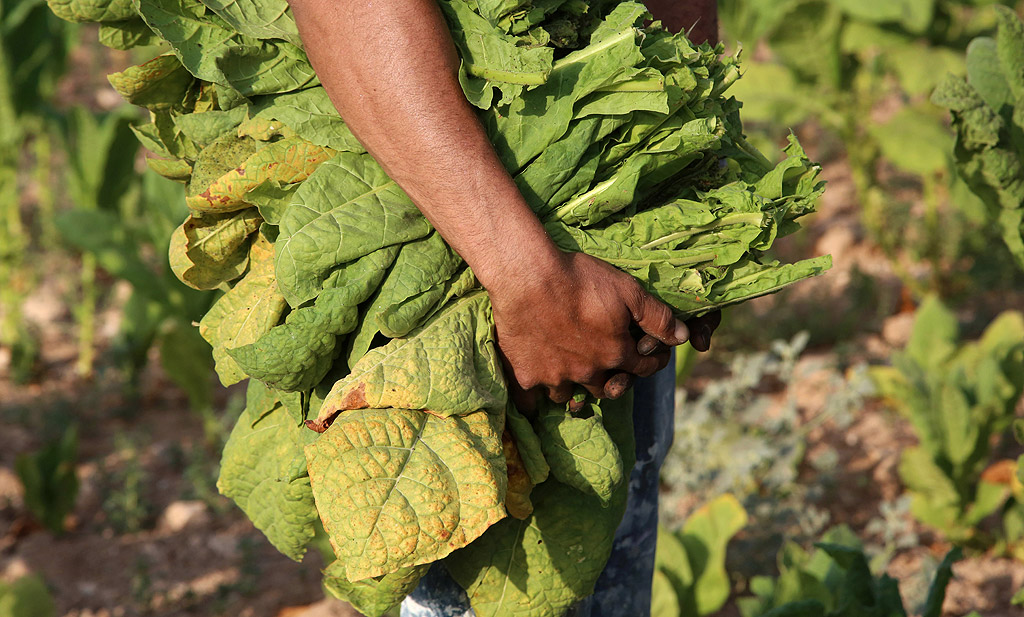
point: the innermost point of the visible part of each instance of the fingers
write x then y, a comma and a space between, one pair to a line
701, 328
561, 393
656, 318
618, 384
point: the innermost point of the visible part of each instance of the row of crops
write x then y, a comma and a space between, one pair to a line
915, 107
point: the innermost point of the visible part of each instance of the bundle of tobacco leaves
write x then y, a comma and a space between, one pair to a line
353, 317
988, 115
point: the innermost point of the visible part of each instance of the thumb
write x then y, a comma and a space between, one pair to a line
656, 319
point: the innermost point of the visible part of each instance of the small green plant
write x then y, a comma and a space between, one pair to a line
48, 477
988, 115
689, 570
957, 396
836, 581
26, 597
125, 505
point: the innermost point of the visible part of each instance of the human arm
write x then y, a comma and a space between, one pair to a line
390, 69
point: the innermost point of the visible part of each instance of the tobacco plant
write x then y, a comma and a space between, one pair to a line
958, 397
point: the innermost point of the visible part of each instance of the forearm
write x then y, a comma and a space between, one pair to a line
697, 17
390, 68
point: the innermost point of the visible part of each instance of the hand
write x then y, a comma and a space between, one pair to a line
570, 324
701, 328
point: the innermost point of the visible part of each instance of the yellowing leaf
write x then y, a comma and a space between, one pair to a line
398, 487
160, 83
206, 252
373, 597
449, 365
286, 161
244, 314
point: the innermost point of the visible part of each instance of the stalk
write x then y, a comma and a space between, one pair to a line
87, 317
43, 174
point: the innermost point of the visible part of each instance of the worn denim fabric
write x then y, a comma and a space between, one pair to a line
624, 588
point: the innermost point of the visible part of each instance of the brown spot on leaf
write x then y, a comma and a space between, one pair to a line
355, 399
321, 424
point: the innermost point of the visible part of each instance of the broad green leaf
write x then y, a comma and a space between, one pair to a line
92, 10
541, 566
933, 338
346, 209
287, 161
127, 34
207, 127
1010, 51
263, 470
580, 451
271, 199
398, 488
984, 74
214, 249
914, 141
672, 562
295, 356
448, 366
491, 59
705, 535
26, 596
612, 52
172, 169
215, 53
244, 314
310, 113
159, 84
422, 266
224, 154
258, 19
664, 602
373, 597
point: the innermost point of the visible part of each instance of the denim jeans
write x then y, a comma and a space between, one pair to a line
624, 587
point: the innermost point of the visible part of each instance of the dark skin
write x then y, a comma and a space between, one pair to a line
562, 319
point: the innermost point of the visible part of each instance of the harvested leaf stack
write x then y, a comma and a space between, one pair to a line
353, 317
988, 115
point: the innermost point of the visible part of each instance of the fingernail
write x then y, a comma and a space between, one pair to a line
682, 333
647, 345
705, 336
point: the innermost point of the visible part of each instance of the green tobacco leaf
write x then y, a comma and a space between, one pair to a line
528, 445
224, 154
935, 333
580, 451
348, 208
398, 488
127, 34
705, 535
258, 19
217, 54
92, 10
612, 53
422, 266
541, 566
373, 597
161, 83
26, 596
491, 59
209, 126
172, 169
664, 601
263, 470
984, 74
214, 249
672, 562
272, 199
449, 366
1010, 50
310, 113
296, 355
287, 161
914, 141
244, 314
